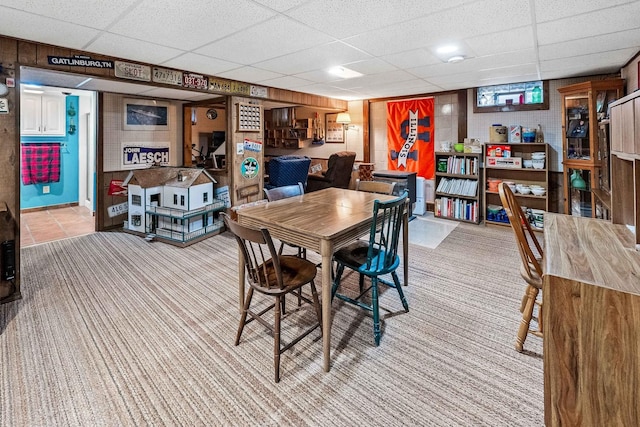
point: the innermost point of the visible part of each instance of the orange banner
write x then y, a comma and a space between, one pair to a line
410, 130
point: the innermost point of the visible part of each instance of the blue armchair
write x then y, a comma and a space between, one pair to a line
288, 170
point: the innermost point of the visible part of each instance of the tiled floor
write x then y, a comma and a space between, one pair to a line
55, 224
429, 231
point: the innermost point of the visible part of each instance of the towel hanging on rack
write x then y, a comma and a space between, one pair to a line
40, 163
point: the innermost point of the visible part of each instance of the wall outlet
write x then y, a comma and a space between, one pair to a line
46, 189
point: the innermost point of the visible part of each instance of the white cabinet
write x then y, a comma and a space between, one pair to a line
42, 114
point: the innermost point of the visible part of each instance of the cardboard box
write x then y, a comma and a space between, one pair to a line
504, 162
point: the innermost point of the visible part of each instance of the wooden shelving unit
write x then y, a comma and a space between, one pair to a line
518, 175
289, 136
458, 186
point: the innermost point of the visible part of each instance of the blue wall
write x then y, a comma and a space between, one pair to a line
66, 190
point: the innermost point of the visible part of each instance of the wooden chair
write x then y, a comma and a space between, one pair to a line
284, 192
375, 186
530, 269
275, 276
373, 258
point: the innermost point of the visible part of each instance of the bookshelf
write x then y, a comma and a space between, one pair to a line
458, 186
514, 168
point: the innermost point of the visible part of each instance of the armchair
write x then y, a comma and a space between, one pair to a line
288, 170
338, 173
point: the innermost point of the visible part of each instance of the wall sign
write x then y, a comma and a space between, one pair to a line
250, 168
79, 61
166, 76
136, 156
229, 86
4, 106
118, 209
195, 81
259, 91
128, 70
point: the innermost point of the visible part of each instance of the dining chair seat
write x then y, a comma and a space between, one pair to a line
374, 258
275, 276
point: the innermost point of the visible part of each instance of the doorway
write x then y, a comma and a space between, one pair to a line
58, 163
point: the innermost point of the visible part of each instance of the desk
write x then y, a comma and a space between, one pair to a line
323, 221
591, 317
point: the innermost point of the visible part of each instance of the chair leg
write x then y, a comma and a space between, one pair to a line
361, 282
527, 313
336, 281
376, 310
276, 340
316, 303
243, 317
399, 288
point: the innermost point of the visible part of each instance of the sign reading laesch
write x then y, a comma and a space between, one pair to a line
134, 156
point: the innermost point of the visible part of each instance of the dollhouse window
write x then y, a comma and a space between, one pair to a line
181, 200
175, 199
136, 200
136, 220
205, 197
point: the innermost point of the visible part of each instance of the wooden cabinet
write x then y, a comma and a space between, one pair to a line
584, 105
512, 169
458, 186
625, 162
591, 342
42, 114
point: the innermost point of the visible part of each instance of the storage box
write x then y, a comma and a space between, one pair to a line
497, 133
504, 162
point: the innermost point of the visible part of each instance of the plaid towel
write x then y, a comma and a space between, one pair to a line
40, 162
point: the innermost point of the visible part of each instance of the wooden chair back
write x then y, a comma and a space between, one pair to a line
381, 187
525, 237
382, 256
261, 260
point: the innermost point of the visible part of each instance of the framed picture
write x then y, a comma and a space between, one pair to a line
145, 114
335, 131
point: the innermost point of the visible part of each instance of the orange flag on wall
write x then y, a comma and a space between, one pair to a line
410, 130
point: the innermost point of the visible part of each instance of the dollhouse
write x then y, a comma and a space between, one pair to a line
172, 204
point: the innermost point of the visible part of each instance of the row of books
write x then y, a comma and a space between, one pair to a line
462, 187
457, 208
463, 165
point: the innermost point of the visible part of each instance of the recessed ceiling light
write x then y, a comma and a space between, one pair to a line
344, 72
454, 59
447, 49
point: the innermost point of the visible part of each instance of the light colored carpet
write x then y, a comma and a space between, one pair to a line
115, 331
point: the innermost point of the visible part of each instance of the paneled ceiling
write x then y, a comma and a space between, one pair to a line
291, 44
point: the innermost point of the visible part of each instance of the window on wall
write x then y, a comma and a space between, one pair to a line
136, 200
175, 199
181, 200
136, 220
524, 96
205, 197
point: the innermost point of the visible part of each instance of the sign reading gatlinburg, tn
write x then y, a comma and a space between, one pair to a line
79, 61
146, 155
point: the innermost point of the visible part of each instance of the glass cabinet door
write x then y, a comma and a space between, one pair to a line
577, 127
580, 197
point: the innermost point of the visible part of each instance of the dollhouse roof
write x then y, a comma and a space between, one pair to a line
168, 176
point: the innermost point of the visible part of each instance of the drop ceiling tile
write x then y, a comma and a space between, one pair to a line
121, 47
189, 24
604, 43
292, 82
200, 64
379, 79
281, 5
321, 57
28, 26
249, 74
590, 64
159, 92
503, 41
97, 14
251, 46
549, 10
371, 66
592, 24
412, 58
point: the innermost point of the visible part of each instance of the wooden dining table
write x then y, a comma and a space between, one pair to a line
322, 221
